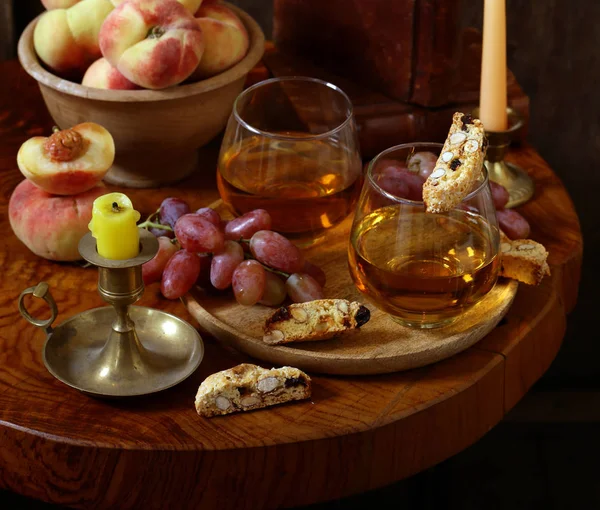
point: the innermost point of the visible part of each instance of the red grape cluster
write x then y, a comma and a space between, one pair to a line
406, 181
199, 248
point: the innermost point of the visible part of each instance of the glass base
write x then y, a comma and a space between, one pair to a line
421, 324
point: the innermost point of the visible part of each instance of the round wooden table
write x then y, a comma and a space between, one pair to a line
357, 434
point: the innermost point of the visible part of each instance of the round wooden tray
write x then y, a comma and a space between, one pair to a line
381, 346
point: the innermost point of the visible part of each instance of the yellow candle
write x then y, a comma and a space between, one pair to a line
492, 102
114, 225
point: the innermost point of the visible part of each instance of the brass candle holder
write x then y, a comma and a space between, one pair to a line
517, 182
118, 350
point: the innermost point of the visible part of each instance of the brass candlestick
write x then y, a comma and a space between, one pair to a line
517, 182
119, 350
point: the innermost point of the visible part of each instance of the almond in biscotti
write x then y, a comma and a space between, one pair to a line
314, 320
459, 166
246, 387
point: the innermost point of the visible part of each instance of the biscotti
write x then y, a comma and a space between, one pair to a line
523, 260
246, 387
314, 320
459, 165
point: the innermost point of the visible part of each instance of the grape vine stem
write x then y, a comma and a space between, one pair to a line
150, 224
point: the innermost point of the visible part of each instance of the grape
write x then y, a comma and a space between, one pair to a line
513, 224
159, 232
153, 269
210, 215
500, 195
302, 287
171, 209
316, 272
415, 184
400, 182
382, 164
248, 282
204, 276
422, 163
195, 234
275, 291
246, 225
393, 185
224, 263
180, 274
274, 250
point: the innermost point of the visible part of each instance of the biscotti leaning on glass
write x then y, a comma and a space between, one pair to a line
458, 166
246, 387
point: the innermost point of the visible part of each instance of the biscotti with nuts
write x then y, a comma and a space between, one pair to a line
314, 320
246, 387
523, 260
459, 165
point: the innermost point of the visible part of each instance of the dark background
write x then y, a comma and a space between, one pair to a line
543, 455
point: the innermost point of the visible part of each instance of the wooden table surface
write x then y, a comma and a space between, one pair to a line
358, 433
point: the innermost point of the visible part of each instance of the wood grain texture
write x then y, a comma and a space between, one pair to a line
381, 346
357, 433
154, 130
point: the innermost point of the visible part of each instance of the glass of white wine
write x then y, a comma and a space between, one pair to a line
423, 269
290, 147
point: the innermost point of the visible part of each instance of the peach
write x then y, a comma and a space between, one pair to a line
190, 5
153, 43
59, 4
70, 161
51, 226
66, 40
225, 40
101, 75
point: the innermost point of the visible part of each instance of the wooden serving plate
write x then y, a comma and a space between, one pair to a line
381, 346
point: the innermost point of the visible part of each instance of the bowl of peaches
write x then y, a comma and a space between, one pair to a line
160, 75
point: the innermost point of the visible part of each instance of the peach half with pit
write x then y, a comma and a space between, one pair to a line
101, 75
66, 40
154, 43
51, 226
226, 40
70, 161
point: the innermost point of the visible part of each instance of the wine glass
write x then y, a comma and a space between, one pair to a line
423, 269
290, 147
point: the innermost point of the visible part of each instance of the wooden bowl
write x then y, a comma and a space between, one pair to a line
157, 133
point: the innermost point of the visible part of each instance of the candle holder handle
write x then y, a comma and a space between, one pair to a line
42, 291
517, 182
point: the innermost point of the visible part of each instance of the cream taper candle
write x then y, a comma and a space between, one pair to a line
493, 95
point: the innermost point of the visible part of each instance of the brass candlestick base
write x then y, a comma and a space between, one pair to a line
519, 185
118, 350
